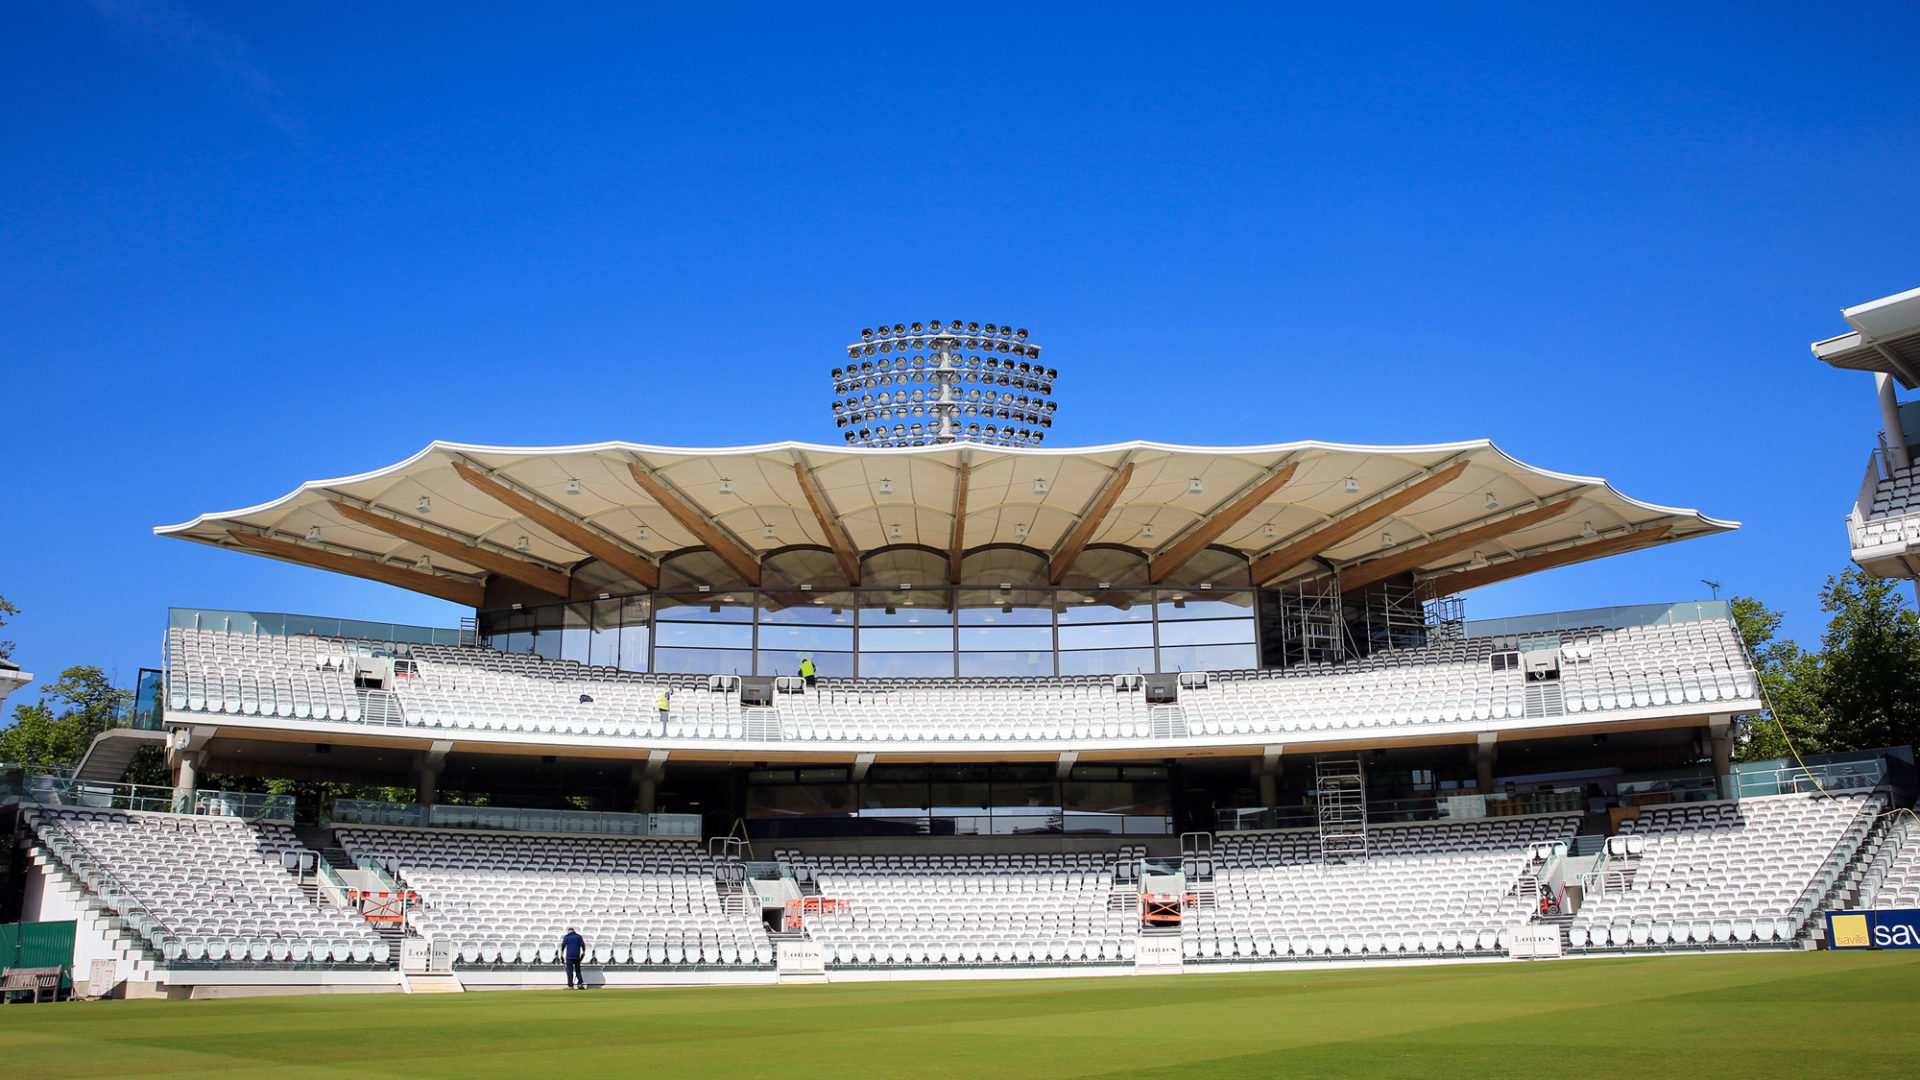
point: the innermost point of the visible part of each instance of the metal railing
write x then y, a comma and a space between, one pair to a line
1807, 904
282, 623
147, 798
513, 819
114, 896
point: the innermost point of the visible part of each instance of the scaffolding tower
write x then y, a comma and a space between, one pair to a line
1341, 784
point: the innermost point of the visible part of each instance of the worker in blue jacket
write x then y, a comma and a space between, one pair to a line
573, 947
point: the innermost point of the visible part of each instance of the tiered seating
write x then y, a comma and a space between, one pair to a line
1441, 889
1893, 881
212, 889
1894, 516
1447, 683
476, 687
297, 676
953, 910
1724, 873
508, 899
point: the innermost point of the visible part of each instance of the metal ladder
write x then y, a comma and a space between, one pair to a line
1342, 786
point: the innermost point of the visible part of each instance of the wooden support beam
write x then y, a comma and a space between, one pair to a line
956, 543
1461, 581
547, 581
566, 527
464, 593
1163, 565
1286, 557
702, 527
1090, 522
1411, 556
829, 524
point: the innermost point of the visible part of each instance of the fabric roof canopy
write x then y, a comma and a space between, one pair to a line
580, 520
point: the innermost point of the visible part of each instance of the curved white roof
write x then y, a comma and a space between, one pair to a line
1465, 509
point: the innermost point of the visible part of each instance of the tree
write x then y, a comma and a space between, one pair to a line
6, 609
42, 736
1789, 685
1870, 667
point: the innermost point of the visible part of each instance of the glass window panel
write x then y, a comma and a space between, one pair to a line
1098, 612
633, 646
1207, 632
1106, 661
704, 635
893, 796
799, 800
778, 639
1007, 638
1106, 636
809, 614
982, 608
911, 665
1197, 605
703, 661
906, 639
1006, 663
700, 608
833, 665
929, 608
545, 643
1208, 657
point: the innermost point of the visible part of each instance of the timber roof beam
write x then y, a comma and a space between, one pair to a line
1209, 529
565, 526
547, 581
709, 532
457, 590
1328, 536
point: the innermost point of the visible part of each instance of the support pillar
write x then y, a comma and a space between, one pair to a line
1720, 745
646, 781
1890, 420
1485, 753
428, 765
429, 786
1266, 772
186, 774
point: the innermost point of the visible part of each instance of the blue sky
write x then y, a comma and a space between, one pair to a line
246, 245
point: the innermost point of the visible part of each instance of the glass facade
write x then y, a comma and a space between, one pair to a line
893, 632
960, 800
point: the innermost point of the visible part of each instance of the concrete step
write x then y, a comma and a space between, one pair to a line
432, 984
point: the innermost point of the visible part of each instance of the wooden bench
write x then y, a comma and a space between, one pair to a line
36, 981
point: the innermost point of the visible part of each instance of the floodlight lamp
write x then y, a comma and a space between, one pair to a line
424, 506
1195, 487
1353, 486
1492, 502
1587, 532
573, 486
521, 545
313, 533
866, 335
1006, 586
1021, 334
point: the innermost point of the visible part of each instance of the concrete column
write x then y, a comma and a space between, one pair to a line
643, 802
429, 785
185, 776
1269, 789
1720, 744
1890, 420
1484, 755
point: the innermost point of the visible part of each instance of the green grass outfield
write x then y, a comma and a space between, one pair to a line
1753, 1017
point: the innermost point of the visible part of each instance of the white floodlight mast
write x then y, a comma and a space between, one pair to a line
969, 383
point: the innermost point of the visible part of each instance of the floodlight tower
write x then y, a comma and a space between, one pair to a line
917, 384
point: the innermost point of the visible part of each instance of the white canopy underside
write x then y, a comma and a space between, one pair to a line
879, 498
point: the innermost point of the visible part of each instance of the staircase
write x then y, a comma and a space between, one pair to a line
111, 751
1342, 807
432, 984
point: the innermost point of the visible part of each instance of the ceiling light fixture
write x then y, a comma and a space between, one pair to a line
894, 531
1039, 487
1386, 540
1492, 503
726, 486
1146, 531
313, 533
886, 486
1479, 561
1195, 487
640, 533
573, 486
1353, 486
520, 545
1586, 531
424, 506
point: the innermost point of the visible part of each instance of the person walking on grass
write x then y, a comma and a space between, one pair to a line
572, 948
